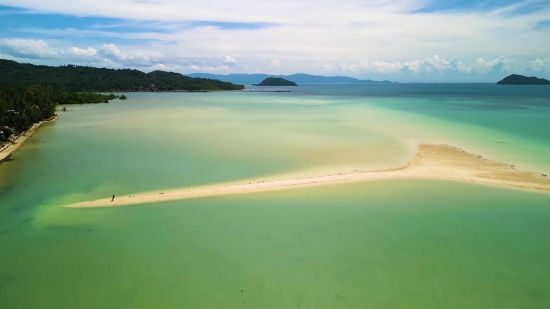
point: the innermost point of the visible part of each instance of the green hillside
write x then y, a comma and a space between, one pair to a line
515, 79
89, 79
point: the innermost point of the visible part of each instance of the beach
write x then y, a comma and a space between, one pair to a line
11, 147
437, 162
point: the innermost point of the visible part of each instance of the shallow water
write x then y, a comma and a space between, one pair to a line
392, 244
425, 244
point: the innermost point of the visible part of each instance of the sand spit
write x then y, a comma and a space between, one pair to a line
431, 162
8, 149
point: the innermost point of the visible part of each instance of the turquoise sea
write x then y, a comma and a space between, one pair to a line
376, 244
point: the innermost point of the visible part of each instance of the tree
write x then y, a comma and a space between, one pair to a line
21, 107
87, 79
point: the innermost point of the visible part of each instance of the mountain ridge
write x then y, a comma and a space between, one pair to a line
92, 79
299, 78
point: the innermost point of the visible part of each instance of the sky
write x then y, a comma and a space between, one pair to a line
398, 40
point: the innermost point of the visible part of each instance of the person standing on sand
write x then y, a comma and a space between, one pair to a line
113, 198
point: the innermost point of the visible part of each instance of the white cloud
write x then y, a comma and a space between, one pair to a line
323, 30
377, 66
39, 49
429, 65
134, 59
312, 36
275, 63
436, 64
220, 10
229, 60
384, 67
502, 64
84, 55
206, 69
30, 49
539, 65
89, 52
110, 55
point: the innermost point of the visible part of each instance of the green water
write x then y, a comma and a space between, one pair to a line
383, 244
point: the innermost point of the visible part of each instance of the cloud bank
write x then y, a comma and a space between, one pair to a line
109, 55
369, 38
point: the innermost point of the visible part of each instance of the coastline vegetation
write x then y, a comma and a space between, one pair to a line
62, 97
22, 107
75, 78
29, 93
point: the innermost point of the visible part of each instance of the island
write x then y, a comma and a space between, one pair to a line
276, 81
515, 79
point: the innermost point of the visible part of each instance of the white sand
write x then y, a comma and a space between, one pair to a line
11, 147
431, 162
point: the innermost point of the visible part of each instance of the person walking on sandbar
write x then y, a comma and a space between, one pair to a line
113, 198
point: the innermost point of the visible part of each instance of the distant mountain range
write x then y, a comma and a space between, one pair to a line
249, 79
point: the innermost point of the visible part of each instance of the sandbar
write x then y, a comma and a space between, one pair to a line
441, 162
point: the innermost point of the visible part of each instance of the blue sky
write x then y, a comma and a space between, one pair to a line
401, 40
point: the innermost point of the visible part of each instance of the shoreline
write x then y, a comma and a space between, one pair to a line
11, 147
437, 162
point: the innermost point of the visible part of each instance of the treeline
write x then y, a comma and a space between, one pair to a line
63, 97
21, 107
88, 79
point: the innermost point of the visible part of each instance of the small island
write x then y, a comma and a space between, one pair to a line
276, 81
515, 79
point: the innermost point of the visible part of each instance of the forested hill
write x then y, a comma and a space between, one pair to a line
515, 79
89, 79
276, 81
